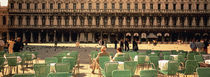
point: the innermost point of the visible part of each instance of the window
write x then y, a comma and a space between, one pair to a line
174, 21
11, 20
66, 20
59, 20
82, 21
166, 21
82, 6
205, 20
97, 21
190, 21
182, 21
35, 20
159, 21
97, 6
28, 6
89, 21
166, 6
182, 6
105, 6
51, 6
128, 21
74, 21
67, 5
74, 6
151, 19
143, 6
20, 5
128, 6
105, 20
136, 21
4, 20
20, 20
90, 6
143, 20
51, 20
120, 6
43, 5
151, 6
174, 6
190, 6
205, 6
28, 20
113, 6
197, 19
113, 21
120, 21
59, 5
136, 6
12, 5
35, 6
43, 20
159, 5
197, 7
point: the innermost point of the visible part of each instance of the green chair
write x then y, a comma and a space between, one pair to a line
167, 57
120, 58
49, 60
148, 73
131, 66
60, 74
12, 62
190, 67
174, 52
141, 61
203, 72
181, 59
172, 68
190, 56
93, 54
23, 75
166, 53
62, 67
154, 61
121, 73
102, 61
2, 60
109, 67
132, 54
199, 58
71, 61
59, 57
142, 53
41, 70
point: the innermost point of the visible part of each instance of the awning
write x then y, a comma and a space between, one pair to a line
151, 35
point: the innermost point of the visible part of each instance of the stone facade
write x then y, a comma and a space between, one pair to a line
91, 20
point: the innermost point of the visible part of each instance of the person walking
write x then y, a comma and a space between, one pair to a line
193, 45
115, 43
206, 44
135, 45
18, 45
126, 45
2, 44
121, 44
11, 45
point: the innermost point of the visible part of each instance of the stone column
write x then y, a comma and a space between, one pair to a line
94, 21
109, 37
124, 22
132, 21
186, 22
155, 21
163, 22
55, 21
117, 21
39, 37
140, 22
8, 36
24, 36
16, 20
170, 22
32, 20
39, 20
78, 21
62, 37
70, 37
147, 22
178, 22
47, 21
201, 22
54, 38
24, 20
62, 21
32, 39
194, 22
47, 37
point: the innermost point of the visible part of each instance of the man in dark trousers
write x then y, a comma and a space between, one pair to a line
126, 45
115, 43
121, 44
135, 45
18, 45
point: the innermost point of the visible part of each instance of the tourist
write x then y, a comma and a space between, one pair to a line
135, 45
193, 45
154, 42
121, 44
115, 43
11, 45
200, 45
119, 52
96, 60
126, 45
2, 45
206, 44
18, 46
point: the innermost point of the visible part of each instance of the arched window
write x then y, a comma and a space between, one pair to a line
89, 20
43, 20
28, 20
113, 21
4, 20
35, 20
11, 20
20, 20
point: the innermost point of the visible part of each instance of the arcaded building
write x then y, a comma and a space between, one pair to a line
3, 22
92, 20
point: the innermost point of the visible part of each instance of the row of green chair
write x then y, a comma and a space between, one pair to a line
58, 74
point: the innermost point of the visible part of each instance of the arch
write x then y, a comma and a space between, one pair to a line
197, 34
128, 34
136, 34
166, 34
159, 34
143, 35
205, 34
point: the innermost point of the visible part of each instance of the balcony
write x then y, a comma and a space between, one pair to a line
105, 11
